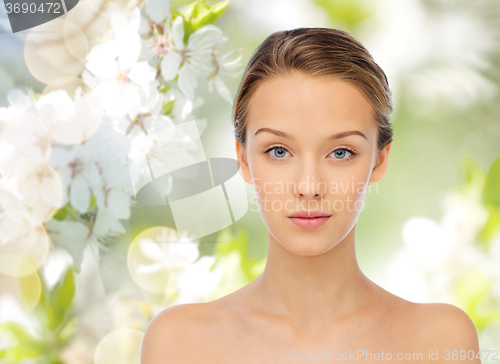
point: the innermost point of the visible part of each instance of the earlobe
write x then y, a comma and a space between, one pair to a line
244, 170
381, 164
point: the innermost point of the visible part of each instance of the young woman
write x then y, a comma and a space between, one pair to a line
312, 133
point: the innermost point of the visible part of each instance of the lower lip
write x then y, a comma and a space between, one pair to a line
309, 223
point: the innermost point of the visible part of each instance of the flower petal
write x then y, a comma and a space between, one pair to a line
101, 59
70, 235
158, 10
143, 26
223, 90
178, 32
134, 20
59, 157
150, 249
107, 223
187, 81
204, 37
149, 268
170, 65
119, 204
130, 48
80, 194
142, 73
118, 99
91, 173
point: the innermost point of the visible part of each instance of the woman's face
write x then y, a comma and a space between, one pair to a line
311, 145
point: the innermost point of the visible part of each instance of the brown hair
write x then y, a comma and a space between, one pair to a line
316, 52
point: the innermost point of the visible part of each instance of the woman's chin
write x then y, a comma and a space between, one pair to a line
307, 248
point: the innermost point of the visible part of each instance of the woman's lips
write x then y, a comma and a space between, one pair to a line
309, 223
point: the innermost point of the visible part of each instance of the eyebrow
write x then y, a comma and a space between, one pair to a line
342, 134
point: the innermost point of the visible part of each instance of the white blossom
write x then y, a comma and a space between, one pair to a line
437, 254
115, 63
75, 237
199, 280
191, 60
229, 65
23, 130
70, 121
79, 173
149, 120
166, 256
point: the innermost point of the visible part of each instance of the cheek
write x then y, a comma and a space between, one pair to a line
273, 192
267, 180
347, 188
270, 190
342, 186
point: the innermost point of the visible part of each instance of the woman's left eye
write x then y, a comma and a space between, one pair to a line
279, 152
341, 153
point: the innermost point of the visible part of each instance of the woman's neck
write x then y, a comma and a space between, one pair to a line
312, 291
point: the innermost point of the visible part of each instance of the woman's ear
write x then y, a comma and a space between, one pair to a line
380, 167
244, 170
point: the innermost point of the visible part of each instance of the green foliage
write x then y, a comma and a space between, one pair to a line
68, 331
473, 293
251, 267
491, 226
488, 187
473, 171
198, 14
93, 201
491, 192
178, 3
473, 289
61, 297
26, 345
53, 305
164, 88
491, 199
57, 329
30, 287
63, 212
167, 107
352, 13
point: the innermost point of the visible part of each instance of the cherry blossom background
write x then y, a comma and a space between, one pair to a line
82, 269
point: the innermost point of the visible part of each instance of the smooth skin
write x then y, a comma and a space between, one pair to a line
312, 296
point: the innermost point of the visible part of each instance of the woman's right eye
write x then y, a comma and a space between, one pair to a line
279, 152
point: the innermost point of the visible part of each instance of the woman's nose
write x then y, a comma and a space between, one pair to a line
309, 181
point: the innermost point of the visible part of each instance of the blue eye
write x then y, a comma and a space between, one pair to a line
341, 153
279, 152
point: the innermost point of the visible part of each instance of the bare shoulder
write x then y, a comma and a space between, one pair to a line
174, 332
446, 328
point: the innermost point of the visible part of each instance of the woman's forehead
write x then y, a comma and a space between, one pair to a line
299, 103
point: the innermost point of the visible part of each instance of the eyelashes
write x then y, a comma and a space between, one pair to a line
280, 146
274, 147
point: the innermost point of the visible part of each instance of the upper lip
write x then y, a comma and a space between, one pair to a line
310, 214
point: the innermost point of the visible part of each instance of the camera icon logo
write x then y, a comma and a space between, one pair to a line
205, 195
26, 14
